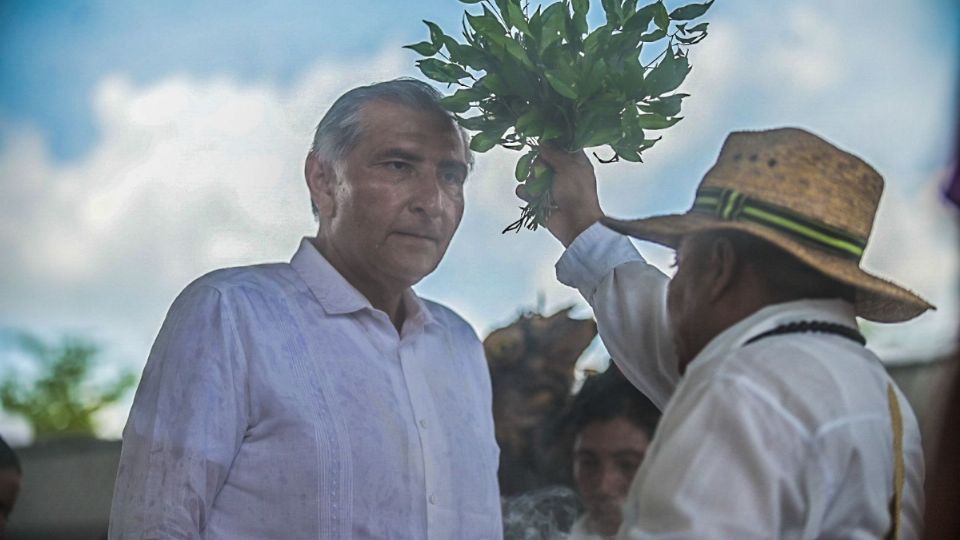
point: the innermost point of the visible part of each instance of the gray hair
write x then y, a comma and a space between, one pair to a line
340, 128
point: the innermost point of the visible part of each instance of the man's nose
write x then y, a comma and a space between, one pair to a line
429, 196
611, 482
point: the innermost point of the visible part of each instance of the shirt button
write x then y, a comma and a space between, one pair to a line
433, 499
423, 423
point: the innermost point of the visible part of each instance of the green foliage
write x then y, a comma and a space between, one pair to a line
62, 401
546, 78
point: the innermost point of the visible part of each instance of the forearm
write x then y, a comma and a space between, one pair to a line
628, 297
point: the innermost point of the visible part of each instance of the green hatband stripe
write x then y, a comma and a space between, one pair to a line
820, 228
707, 200
725, 206
707, 195
803, 230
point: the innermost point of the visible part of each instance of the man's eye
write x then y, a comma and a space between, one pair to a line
453, 178
397, 165
628, 467
587, 463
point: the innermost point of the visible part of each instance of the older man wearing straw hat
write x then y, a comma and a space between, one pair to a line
778, 422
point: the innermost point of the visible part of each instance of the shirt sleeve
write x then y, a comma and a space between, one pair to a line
725, 465
628, 297
186, 424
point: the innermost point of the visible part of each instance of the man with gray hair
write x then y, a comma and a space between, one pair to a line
322, 398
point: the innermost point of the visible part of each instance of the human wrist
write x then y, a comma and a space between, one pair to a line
572, 228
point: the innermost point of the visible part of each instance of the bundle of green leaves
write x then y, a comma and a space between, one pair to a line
546, 78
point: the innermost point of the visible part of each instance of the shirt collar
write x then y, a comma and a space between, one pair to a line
770, 317
337, 296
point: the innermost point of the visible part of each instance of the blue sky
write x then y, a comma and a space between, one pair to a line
143, 144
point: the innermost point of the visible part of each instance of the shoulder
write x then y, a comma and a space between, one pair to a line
451, 321
259, 276
234, 292
263, 280
818, 382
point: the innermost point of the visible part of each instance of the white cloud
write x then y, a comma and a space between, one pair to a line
805, 57
914, 244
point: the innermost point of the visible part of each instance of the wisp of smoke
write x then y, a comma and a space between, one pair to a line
544, 514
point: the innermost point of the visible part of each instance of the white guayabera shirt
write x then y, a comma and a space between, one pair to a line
278, 404
789, 437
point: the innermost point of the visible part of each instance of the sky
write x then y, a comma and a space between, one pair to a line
145, 144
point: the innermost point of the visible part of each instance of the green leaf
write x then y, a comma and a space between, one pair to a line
460, 100
666, 105
555, 129
599, 125
614, 12
630, 123
690, 11
648, 144
694, 34
436, 34
517, 51
441, 71
656, 35
470, 1
530, 123
667, 75
597, 40
631, 82
494, 83
661, 17
639, 20
626, 152
601, 135
522, 170
655, 121
621, 47
518, 79
465, 55
692, 40
554, 21
454, 105
580, 9
647, 12
485, 140
593, 77
515, 16
425, 48
486, 25
468, 34
541, 180
536, 23
476, 123
563, 87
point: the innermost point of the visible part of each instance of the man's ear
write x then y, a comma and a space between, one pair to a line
321, 181
722, 267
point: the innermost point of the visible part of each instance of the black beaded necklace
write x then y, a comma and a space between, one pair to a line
822, 327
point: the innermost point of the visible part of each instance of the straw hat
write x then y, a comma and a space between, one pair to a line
801, 193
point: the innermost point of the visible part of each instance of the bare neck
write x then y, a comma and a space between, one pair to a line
381, 296
742, 299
